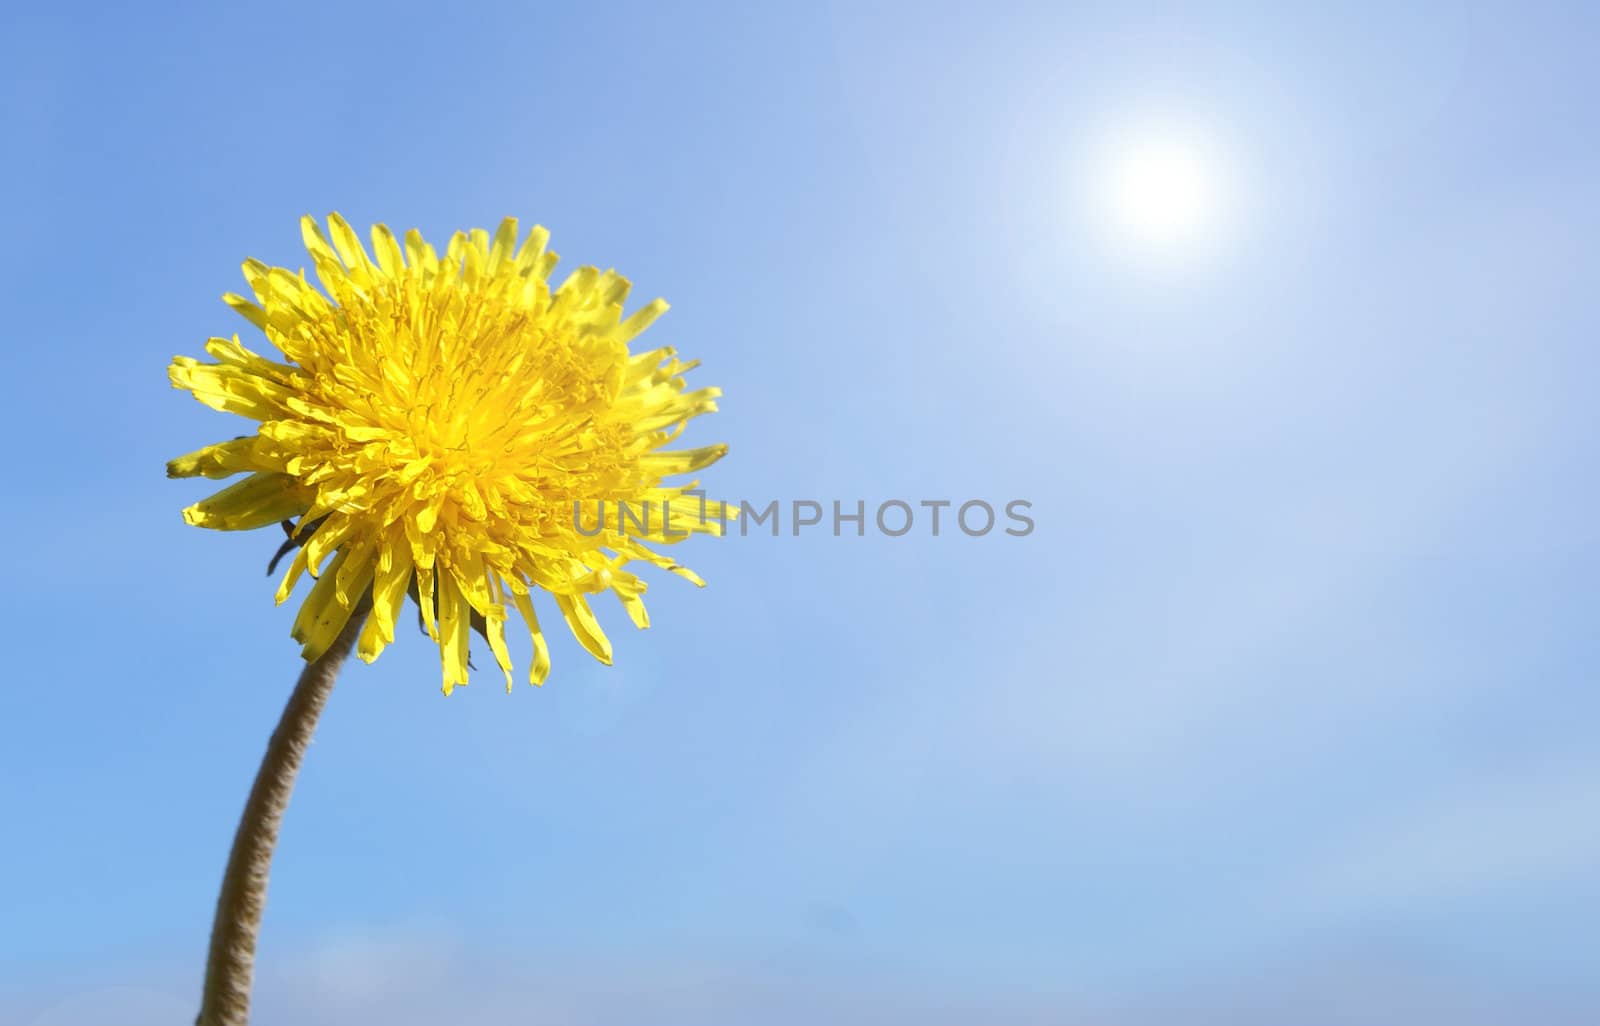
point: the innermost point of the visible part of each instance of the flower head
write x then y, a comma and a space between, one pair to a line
432, 428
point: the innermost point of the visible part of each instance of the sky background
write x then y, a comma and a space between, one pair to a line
1285, 712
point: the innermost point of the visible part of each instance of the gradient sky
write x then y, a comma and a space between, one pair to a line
1285, 713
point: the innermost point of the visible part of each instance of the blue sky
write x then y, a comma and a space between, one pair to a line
1284, 712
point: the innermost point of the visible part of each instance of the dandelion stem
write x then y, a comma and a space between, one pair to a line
230, 968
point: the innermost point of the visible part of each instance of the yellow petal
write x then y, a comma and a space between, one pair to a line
425, 592
248, 310
350, 582
297, 566
531, 256
229, 388
684, 461
257, 501
328, 536
575, 609
541, 648
636, 610
419, 254
322, 616
505, 242
221, 460
329, 270
495, 631
387, 249
455, 630
345, 240
642, 318
388, 598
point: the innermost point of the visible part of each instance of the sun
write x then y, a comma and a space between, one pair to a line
1161, 192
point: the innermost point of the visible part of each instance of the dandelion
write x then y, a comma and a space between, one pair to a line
434, 426
430, 431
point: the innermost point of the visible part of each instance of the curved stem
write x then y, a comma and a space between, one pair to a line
225, 1001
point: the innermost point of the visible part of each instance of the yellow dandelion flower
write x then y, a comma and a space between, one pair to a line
432, 428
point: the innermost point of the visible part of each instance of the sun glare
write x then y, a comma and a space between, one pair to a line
1160, 192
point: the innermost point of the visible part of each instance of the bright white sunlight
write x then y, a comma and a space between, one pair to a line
1160, 191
